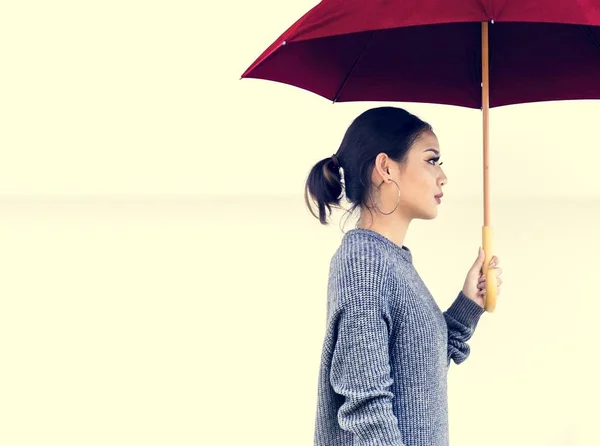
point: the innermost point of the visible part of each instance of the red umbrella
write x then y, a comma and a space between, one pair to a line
443, 52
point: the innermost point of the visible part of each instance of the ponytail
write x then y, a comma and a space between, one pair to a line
324, 186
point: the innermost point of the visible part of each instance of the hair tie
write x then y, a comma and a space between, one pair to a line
335, 160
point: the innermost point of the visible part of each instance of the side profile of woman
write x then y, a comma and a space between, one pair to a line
387, 346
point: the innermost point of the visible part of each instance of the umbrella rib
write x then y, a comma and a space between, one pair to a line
591, 36
337, 95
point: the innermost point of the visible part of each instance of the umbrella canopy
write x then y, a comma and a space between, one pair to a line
469, 53
430, 51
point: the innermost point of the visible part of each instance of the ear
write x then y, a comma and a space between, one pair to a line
381, 170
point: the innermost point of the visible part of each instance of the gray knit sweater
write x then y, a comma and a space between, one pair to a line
387, 349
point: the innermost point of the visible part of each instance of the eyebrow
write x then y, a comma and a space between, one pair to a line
432, 150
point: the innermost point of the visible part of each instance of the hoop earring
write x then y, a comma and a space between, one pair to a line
397, 202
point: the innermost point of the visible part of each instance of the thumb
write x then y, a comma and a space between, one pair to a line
480, 259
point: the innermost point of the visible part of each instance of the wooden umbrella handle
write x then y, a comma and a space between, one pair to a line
491, 284
490, 274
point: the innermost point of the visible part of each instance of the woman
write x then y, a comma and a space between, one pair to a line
387, 345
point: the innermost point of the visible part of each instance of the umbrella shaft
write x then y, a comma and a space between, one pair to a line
485, 106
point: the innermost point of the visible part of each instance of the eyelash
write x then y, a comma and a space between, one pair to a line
436, 160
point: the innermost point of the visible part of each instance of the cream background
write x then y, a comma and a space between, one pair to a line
162, 283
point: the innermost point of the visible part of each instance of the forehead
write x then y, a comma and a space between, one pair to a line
427, 140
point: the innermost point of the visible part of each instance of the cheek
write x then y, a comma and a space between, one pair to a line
422, 183
420, 189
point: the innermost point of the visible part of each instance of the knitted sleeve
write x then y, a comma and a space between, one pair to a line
360, 369
462, 318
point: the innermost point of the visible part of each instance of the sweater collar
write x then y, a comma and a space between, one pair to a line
403, 251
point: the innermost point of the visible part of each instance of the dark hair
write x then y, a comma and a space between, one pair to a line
390, 130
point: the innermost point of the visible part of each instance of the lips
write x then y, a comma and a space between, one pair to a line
439, 196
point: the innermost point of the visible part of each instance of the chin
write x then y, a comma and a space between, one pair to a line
429, 214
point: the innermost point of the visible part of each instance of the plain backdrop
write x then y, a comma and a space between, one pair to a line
163, 284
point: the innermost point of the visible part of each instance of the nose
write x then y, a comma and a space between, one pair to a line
443, 179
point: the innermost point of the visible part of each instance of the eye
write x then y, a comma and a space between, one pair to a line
435, 160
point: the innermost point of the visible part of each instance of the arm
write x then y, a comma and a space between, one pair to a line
360, 369
462, 318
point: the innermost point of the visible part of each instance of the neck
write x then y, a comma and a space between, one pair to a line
393, 227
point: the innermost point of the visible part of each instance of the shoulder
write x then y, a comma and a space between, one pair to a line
359, 251
360, 270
